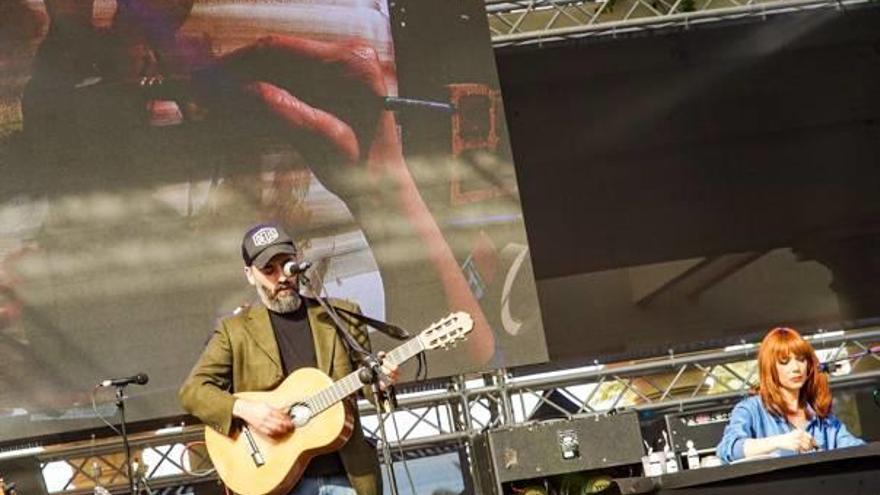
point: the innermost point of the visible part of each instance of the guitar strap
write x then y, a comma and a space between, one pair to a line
366, 357
393, 331
390, 330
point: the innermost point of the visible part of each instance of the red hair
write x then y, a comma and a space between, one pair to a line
784, 343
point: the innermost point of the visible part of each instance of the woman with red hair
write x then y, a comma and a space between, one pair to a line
791, 411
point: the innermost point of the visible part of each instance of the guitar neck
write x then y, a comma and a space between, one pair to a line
351, 383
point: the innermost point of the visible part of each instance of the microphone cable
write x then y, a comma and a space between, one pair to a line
98, 413
409, 476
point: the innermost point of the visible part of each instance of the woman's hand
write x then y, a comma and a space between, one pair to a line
797, 440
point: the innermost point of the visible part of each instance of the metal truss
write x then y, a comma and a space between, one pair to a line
430, 422
678, 383
523, 22
166, 461
450, 417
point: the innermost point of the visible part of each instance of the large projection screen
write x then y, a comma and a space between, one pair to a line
139, 139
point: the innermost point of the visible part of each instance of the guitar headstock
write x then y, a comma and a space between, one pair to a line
448, 331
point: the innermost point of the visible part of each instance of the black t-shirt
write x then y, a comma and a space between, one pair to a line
297, 348
294, 337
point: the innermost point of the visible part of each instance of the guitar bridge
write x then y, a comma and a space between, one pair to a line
256, 455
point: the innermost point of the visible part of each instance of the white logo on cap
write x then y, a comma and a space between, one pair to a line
264, 236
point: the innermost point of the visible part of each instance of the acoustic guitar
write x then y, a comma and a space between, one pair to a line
7, 488
254, 464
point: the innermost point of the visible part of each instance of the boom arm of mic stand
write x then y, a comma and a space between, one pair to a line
353, 345
372, 366
367, 359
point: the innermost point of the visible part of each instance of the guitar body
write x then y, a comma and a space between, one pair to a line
285, 457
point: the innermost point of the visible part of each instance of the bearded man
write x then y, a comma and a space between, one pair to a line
255, 349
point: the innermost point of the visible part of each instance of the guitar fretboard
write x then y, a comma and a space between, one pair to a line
351, 383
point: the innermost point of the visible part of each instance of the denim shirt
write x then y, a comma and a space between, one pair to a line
750, 419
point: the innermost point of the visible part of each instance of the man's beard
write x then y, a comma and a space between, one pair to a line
279, 303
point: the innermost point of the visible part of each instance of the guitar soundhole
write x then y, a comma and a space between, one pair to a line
300, 414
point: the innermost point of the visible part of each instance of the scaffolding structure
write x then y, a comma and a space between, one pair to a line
447, 418
528, 22
444, 420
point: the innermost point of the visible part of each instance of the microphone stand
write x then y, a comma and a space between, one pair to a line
120, 404
834, 364
375, 376
135, 478
370, 373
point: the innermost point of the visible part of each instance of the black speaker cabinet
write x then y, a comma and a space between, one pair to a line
868, 406
26, 473
703, 427
555, 447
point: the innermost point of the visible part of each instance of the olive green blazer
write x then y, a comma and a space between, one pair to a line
242, 356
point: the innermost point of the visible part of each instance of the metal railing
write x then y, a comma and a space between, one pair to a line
524, 22
444, 419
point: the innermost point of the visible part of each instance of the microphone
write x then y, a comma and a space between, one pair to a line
830, 367
293, 268
139, 379
835, 364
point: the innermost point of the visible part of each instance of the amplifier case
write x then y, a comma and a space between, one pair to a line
555, 447
703, 427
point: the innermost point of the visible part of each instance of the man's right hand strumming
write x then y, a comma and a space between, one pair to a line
263, 418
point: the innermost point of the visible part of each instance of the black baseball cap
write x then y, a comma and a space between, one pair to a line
262, 242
